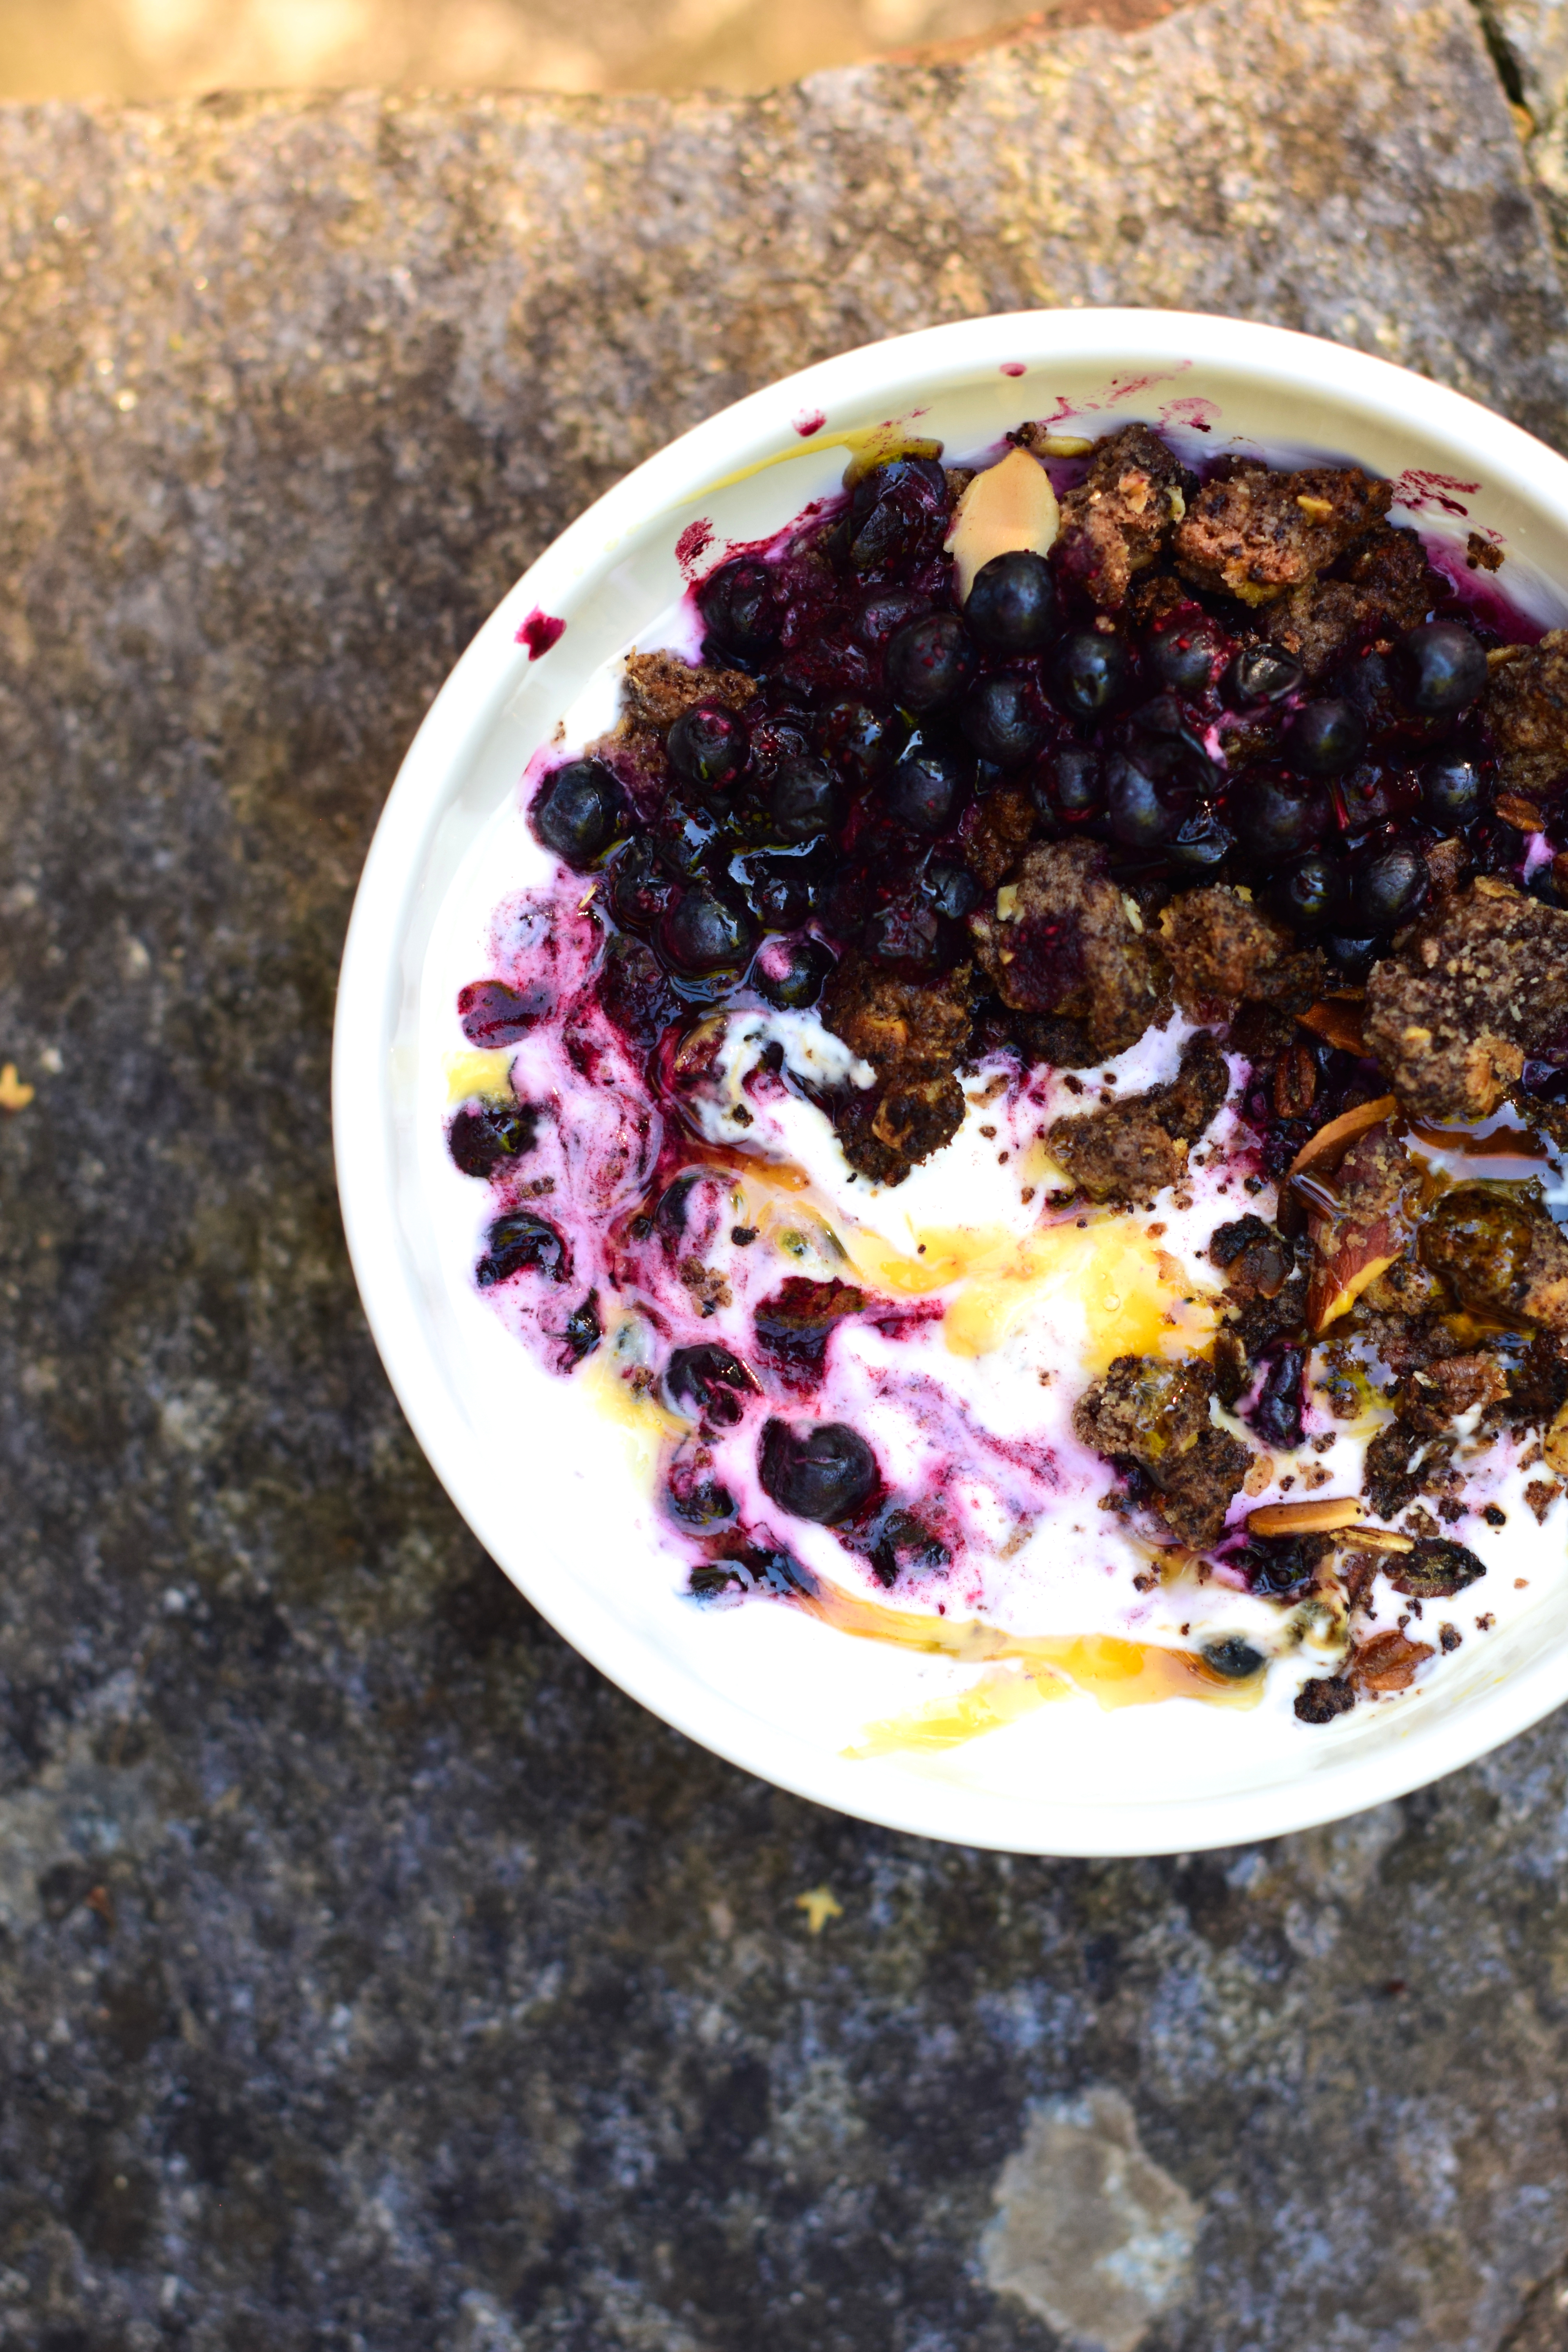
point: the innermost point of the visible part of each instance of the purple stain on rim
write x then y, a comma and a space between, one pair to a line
539, 631
810, 421
1013, 367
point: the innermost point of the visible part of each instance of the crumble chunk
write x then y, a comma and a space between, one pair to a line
1260, 533
1129, 1151
1155, 1416
1526, 706
1221, 948
1117, 522
1060, 939
915, 1035
1451, 1015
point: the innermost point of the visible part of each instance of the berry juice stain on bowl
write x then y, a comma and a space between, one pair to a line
1014, 1045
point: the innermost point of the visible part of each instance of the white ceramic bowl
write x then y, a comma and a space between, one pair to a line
537, 1474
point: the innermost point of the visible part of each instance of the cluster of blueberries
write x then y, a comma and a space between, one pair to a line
833, 806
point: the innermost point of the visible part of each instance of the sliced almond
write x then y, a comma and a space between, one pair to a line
1320, 1518
1010, 504
1337, 1022
1383, 1539
1316, 510
1515, 809
1343, 1131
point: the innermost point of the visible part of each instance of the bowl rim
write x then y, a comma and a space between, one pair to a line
898, 367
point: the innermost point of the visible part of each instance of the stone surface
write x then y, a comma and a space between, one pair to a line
372, 1974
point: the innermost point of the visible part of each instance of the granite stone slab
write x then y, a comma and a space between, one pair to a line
371, 1973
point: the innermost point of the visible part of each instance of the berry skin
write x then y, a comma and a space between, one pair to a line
640, 889
1389, 887
1140, 816
1275, 817
896, 509
1092, 673
518, 1243
1233, 1658
701, 932
577, 812
859, 742
1311, 892
1184, 656
1261, 674
924, 790
1201, 845
1001, 718
905, 931
581, 1334
791, 974
1077, 786
709, 1383
1012, 607
1439, 668
928, 662
824, 1471
492, 1014
1452, 794
695, 1502
1325, 736
805, 799
953, 890
1354, 955
484, 1136
708, 748
740, 608
682, 836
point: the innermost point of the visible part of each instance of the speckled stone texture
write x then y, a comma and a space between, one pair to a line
372, 1974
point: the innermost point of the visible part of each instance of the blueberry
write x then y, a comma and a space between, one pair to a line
1184, 655
907, 930
640, 889
701, 932
881, 615
1451, 791
696, 1502
778, 889
1201, 844
1140, 816
804, 799
1261, 674
1277, 1415
492, 1014
824, 1472
709, 1383
1078, 785
1277, 817
708, 747
1310, 892
861, 743
1389, 887
1003, 719
581, 1334
481, 1137
953, 890
739, 607
1233, 1658
924, 789
1439, 668
1091, 672
682, 836
928, 662
1324, 737
791, 974
1354, 955
895, 509
577, 811
1012, 607
520, 1242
